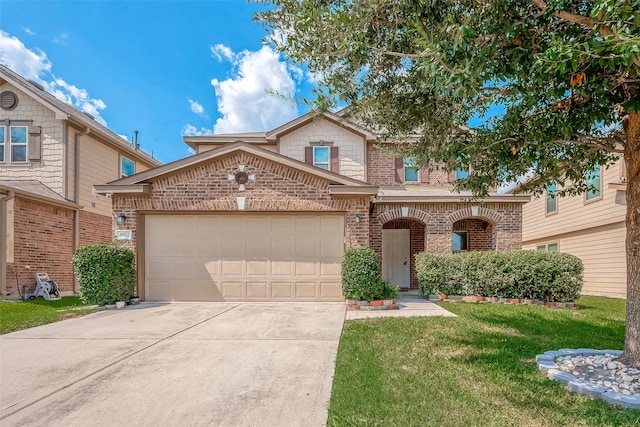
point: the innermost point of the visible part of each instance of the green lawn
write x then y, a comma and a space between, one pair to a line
474, 370
26, 314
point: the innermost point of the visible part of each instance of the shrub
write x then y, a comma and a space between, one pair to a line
106, 273
361, 275
389, 291
546, 276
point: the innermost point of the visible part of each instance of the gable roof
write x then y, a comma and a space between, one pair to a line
64, 111
35, 190
139, 183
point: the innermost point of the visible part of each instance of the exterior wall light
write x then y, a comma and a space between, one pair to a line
121, 218
357, 219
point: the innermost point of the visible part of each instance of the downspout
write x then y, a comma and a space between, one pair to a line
3, 239
76, 195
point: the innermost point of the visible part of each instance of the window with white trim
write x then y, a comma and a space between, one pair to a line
551, 201
594, 183
127, 167
18, 144
410, 170
460, 241
322, 157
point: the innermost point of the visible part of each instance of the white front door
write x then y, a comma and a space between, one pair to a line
396, 257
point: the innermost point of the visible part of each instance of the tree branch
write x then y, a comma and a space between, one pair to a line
576, 19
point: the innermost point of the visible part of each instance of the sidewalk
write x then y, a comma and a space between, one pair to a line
410, 305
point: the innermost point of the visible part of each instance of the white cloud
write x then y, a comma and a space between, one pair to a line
222, 52
37, 67
191, 130
61, 39
29, 31
196, 107
246, 100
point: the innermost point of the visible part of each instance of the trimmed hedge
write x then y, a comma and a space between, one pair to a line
525, 274
106, 273
362, 277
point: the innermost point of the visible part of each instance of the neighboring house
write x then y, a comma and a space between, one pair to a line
268, 215
590, 226
51, 155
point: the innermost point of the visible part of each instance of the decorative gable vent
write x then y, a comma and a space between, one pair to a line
8, 100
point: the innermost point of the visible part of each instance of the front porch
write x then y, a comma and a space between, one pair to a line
399, 232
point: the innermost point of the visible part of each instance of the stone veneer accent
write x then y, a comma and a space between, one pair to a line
50, 169
277, 188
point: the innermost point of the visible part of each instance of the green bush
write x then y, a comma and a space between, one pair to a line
389, 291
361, 275
106, 273
546, 276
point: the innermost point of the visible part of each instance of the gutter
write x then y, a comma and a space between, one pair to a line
76, 195
3, 239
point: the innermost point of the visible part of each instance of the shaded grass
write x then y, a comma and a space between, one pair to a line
15, 316
477, 369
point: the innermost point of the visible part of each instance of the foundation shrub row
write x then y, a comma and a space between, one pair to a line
544, 276
362, 277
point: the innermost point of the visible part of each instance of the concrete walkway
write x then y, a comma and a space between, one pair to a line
179, 364
410, 305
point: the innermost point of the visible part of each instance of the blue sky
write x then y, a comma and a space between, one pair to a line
164, 68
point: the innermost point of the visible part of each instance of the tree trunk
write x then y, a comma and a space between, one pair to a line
631, 355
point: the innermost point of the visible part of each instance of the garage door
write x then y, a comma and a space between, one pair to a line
244, 257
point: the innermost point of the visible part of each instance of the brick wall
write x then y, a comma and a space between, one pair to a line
381, 171
43, 242
480, 234
277, 188
94, 229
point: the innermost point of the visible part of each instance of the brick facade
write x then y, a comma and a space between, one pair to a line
479, 233
43, 242
277, 188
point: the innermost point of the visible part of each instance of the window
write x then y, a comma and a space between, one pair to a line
551, 247
2, 145
460, 241
18, 143
127, 167
552, 202
410, 170
462, 173
594, 183
321, 157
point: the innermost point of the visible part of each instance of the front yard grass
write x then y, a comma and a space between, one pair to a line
477, 369
26, 314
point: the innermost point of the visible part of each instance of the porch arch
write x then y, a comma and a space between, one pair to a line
485, 214
412, 213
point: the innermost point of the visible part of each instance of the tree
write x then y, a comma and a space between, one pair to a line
556, 84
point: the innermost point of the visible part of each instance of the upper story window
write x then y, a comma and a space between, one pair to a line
551, 201
321, 157
594, 183
410, 170
13, 144
127, 167
462, 173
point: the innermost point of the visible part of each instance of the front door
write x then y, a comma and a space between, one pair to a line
396, 257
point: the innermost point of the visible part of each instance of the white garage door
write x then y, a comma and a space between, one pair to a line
255, 257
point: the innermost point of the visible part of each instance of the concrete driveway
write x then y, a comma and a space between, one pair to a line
182, 364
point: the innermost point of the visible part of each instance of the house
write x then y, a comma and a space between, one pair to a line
590, 226
51, 155
268, 215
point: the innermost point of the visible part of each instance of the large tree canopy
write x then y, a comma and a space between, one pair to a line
554, 86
